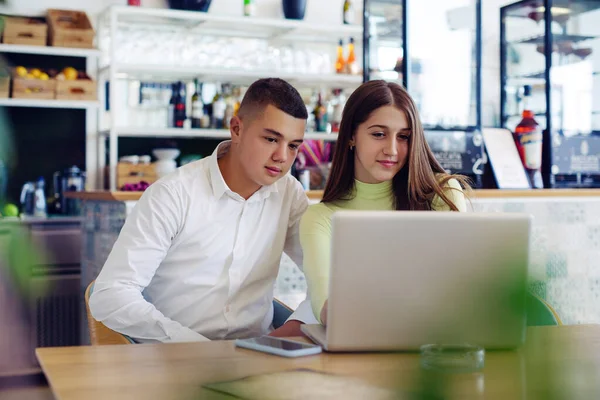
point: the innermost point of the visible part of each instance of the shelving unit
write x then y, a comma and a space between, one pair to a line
90, 107
117, 19
552, 46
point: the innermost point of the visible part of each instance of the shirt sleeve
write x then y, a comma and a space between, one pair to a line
315, 237
142, 245
292, 245
454, 192
293, 249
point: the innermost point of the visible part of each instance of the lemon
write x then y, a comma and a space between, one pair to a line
44, 76
70, 73
21, 71
30, 76
35, 72
10, 210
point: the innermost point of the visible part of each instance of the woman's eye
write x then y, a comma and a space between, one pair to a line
403, 137
378, 134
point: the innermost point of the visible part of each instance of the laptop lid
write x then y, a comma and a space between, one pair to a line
403, 279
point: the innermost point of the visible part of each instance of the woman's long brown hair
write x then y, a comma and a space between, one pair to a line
421, 178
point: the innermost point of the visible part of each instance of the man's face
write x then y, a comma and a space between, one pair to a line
268, 144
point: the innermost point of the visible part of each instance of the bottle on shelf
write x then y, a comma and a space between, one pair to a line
180, 114
348, 12
249, 8
197, 105
218, 107
237, 96
528, 139
320, 114
351, 65
229, 108
340, 62
40, 208
337, 105
171, 107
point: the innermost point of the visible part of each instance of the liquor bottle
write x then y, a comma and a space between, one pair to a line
218, 107
351, 65
320, 112
340, 62
249, 8
229, 106
197, 105
237, 96
180, 106
348, 14
337, 103
528, 139
171, 109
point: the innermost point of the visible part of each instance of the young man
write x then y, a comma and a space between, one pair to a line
199, 254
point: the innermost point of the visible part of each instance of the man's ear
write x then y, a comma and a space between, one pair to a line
235, 128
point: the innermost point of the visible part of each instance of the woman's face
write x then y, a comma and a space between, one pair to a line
381, 145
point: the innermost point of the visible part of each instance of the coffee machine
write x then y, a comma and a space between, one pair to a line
70, 180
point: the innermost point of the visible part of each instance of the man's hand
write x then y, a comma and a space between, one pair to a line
290, 328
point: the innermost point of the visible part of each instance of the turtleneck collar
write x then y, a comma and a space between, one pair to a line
372, 191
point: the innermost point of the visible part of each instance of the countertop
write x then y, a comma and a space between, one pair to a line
317, 194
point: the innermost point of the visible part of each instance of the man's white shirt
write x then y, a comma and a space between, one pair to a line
196, 261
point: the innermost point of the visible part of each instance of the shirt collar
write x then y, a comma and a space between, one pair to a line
218, 183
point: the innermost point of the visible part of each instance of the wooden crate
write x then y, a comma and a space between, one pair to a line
134, 173
4, 87
23, 88
27, 31
68, 28
79, 89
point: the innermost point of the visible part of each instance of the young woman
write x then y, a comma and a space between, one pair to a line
381, 162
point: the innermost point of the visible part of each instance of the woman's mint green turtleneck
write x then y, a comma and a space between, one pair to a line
315, 230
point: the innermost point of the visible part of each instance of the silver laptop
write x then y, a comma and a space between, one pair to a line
400, 280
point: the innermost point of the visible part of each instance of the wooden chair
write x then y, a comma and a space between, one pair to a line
540, 312
100, 334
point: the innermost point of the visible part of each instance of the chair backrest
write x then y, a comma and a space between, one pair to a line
100, 334
540, 313
281, 313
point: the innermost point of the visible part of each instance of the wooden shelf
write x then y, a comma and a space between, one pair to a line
68, 104
49, 50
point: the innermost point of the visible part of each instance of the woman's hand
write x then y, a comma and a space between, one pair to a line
324, 313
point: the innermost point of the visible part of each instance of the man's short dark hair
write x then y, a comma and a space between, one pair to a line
275, 92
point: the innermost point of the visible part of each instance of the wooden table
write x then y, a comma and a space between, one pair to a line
563, 360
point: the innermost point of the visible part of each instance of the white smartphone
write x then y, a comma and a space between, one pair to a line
278, 346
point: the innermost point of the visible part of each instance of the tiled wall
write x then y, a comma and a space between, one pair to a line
565, 251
